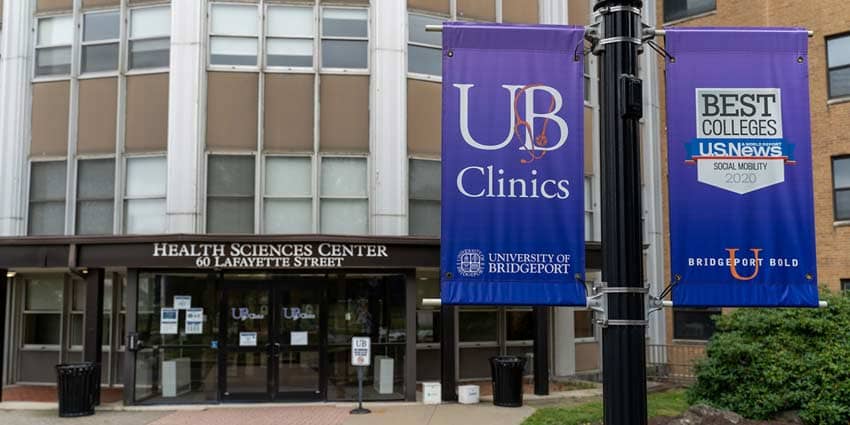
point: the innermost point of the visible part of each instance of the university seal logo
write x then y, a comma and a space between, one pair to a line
470, 263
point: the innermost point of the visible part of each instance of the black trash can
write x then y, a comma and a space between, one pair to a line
507, 380
77, 385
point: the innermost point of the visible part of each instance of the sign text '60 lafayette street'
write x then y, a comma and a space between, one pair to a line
269, 255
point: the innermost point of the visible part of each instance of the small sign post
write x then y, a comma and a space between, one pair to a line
361, 355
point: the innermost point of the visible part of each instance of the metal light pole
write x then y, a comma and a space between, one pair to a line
624, 327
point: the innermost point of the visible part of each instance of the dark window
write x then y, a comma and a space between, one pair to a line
838, 65
841, 187
583, 324
694, 324
680, 9
845, 285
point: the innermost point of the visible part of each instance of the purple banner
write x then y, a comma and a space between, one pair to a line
740, 162
513, 168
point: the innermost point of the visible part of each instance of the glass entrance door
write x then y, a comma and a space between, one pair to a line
247, 345
272, 341
300, 321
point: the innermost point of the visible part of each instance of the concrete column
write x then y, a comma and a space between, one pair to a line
563, 342
388, 119
15, 68
186, 105
652, 196
93, 335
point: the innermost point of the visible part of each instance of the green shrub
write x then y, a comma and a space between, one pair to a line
764, 361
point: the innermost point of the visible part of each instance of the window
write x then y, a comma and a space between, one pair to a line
424, 49
230, 194
427, 316
694, 324
289, 36
680, 9
53, 45
144, 201
845, 285
95, 196
150, 29
47, 198
234, 31
478, 325
77, 316
841, 187
424, 191
583, 325
588, 208
288, 198
43, 310
838, 64
344, 192
519, 324
101, 37
345, 38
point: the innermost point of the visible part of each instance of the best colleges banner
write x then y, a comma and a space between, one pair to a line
512, 165
740, 168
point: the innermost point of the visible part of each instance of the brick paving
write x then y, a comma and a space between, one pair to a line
258, 416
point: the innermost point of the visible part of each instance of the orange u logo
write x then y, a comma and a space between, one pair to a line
733, 269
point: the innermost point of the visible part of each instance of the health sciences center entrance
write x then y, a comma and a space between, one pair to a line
272, 346
264, 337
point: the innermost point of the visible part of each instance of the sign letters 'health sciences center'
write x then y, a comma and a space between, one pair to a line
512, 158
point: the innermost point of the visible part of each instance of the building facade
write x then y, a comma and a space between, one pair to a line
159, 154
829, 88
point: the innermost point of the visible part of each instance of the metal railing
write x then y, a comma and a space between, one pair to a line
673, 363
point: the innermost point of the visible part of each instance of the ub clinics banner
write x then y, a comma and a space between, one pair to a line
512, 165
740, 181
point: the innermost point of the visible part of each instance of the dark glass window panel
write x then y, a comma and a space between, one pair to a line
46, 218
839, 82
95, 217
417, 24
231, 175
842, 204
841, 173
680, 9
290, 60
53, 61
424, 60
478, 326
520, 325
428, 326
583, 324
154, 53
101, 26
424, 218
47, 181
694, 324
42, 329
96, 179
345, 54
100, 57
342, 23
230, 215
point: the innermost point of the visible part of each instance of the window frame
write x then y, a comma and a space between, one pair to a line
589, 212
318, 59
125, 197
28, 189
419, 75
829, 69
83, 44
836, 190
314, 38
139, 71
53, 77
410, 196
258, 38
22, 345
264, 197
258, 189
687, 15
320, 197
78, 198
